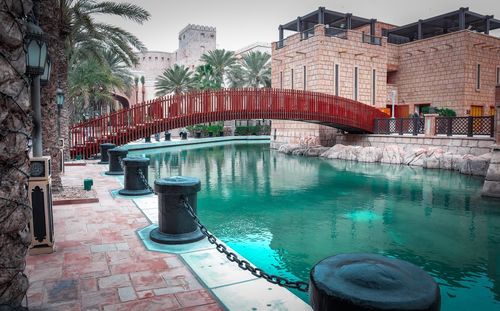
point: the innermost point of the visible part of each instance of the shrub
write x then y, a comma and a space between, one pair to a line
443, 112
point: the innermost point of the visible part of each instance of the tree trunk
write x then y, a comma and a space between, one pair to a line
49, 13
15, 128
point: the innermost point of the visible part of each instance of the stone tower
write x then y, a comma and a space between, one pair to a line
194, 41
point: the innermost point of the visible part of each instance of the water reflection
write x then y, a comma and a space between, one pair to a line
285, 213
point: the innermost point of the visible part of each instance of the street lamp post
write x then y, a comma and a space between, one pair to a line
36, 60
60, 103
40, 183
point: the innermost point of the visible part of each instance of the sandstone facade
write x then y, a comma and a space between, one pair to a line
440, 71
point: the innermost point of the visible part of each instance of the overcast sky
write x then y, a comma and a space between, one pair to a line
243, 22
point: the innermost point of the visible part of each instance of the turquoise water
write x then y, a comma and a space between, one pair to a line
285, 213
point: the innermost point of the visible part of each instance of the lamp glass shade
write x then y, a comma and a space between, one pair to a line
36, 47
59, 97
44, 78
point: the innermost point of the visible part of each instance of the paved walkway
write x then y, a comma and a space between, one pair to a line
100, 263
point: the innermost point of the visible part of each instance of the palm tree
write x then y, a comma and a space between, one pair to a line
221, 61
256, 69
143, 82
236, 77
205, 79
136, 82
120, 70
14, 161
75, 34
175, 80
90, 35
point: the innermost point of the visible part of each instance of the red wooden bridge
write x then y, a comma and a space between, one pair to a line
176, 111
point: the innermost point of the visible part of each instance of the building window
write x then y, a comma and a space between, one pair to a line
478, 77
498, 75
281, 79
337, 79
149, 57
374, 86
203, 35
305, 78
355, 83
292, 78
211, 36
156, 58
163, 58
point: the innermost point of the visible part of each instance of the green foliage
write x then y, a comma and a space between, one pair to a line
253, 130
87, 37
204, 129
91, 84
220, 60
175, 80
254, 70
443, 112
205, 79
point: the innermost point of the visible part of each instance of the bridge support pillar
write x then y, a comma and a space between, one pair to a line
104, 152
371, 282
491, 187
136, 176
175, 225
115, 158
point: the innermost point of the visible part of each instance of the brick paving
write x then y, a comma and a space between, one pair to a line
100, 263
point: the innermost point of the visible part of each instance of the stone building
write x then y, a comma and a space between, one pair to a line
447, 61
194, 41
254, 47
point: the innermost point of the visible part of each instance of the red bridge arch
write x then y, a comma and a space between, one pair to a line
170, 112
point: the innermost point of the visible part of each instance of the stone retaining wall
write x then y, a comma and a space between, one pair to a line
456, 145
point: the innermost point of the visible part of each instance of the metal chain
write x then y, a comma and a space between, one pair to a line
144, 180
242, 263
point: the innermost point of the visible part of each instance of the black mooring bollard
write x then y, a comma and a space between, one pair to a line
147, 139
104, 152
184, 135
175, 225
134, 184
371, 282
115, 157
167, 136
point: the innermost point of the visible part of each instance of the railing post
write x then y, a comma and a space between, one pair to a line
115, 157
492, 126
400, 122
469, 126
136, 176
450, 126
104, 152
371, 282
175, 225
415, 126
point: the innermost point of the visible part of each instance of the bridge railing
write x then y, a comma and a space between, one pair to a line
177, 111
399, 126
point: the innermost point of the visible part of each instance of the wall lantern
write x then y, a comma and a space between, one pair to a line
36, 50
59, 98
45, 77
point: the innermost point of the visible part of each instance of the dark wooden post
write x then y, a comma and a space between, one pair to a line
415, 126
348, 20
400, 122
420, 34
461, 18
450, 126
469, 126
